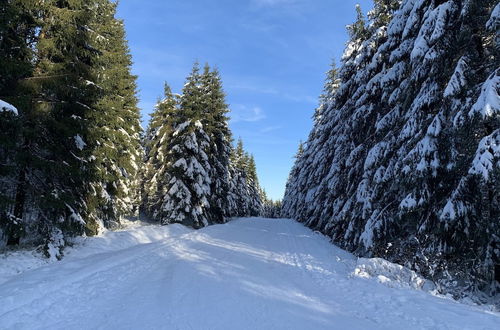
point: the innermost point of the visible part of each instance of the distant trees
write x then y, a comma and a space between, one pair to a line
403, 159
270, 208
193, 174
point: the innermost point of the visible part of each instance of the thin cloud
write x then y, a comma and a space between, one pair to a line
295, 8
270, 129
242, 113
263, 3
301, 98
258, 88
254, 88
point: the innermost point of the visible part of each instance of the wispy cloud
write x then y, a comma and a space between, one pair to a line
301, 98
256, 88
243, 113
295, 8
274, 2
268, 129
297, 97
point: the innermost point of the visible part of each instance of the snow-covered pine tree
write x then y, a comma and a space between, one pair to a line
188, 191
114, 123
298, 196
216, 126
255, 192
239, 189
159, 133
292, 189
270, 208
245, 190
403, 162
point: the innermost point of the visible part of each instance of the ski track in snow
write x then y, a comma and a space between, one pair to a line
247, 274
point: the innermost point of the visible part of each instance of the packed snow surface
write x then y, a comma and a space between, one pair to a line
246, 274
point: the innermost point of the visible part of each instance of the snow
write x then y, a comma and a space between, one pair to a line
4, 106
432, 29
180, 163
181, 127
488, 103
486, 153
246, 274
80, 144
448, 211
408, 202
457, 81
494, 20
390, 274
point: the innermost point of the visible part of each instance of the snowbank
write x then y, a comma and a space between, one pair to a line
390, 274
134, 233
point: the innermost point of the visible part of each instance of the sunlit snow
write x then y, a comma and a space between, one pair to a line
246, 274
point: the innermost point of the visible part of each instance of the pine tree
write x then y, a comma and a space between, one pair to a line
239, 188
216, 126
188, 190
245, 187
18, 22
115, 123
59, 170
359, 30
158, 135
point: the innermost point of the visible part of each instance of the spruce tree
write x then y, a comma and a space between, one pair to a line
58, 174
359, 29
239, 187
245, 189
382, 12
18, 24
216, 126
159, 133
188, 190
114, 123
255, 203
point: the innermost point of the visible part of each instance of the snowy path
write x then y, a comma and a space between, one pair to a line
246, 274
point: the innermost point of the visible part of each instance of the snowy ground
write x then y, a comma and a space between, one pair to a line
246, 274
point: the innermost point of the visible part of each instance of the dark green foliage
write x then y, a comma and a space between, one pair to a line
359, 30
382, 11
114, 123
56, 61
216, 126
62, 100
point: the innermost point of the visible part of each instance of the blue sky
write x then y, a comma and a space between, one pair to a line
272, 55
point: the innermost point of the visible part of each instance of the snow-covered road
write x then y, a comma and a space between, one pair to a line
246, 274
